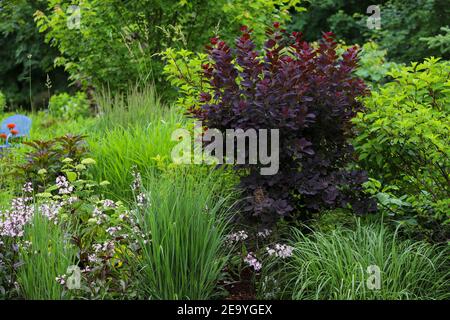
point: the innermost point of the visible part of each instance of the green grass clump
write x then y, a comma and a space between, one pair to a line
48, 256
135, 132
185, 222
334, 266
138, 107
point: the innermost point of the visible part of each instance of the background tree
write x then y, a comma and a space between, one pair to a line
22, 49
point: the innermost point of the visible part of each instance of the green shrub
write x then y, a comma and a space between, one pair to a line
440, 41
373, 64
47, 257
24, 50
338, 16
66, 106
183, 224
116, 42
44, 162
403, 25
403, 137
183, 70
335, 266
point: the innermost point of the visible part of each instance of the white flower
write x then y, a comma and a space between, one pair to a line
280, 250
237, 236
251, 260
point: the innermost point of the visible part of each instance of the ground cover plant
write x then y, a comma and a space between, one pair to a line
95, 204
334, 266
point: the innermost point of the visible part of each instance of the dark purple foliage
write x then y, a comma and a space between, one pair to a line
309, 94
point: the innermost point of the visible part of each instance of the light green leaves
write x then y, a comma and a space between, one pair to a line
404, 135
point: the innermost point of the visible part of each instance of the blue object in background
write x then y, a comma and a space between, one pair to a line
23, 126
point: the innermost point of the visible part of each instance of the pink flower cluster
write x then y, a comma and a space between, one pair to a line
136, 186
280, 250
264, 233
137, 180
63, 185
51, 210
236, 236
61, 279
109, 204
113, 230
13, 221
251, 260
101, 251
141, 199
27, 187
99, 215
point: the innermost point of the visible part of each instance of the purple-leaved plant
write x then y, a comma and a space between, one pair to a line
310, 94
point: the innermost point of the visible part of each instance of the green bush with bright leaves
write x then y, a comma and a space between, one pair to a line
183, 70
117, 43
403, 138
66, 106
373, 64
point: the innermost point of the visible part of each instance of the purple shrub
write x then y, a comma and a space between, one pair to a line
310, 95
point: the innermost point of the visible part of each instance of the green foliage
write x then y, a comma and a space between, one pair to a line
138, 107
44, 162
96, 225
99, 51
334, 266
116, 42
338, 16
46, 127
118, 150
2, 102
403, 136
183, 224
183, 70
373, 65
23, 47
164, 233
137, 133
257, 15
403, 24
440, 41
66, 106
47, 257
